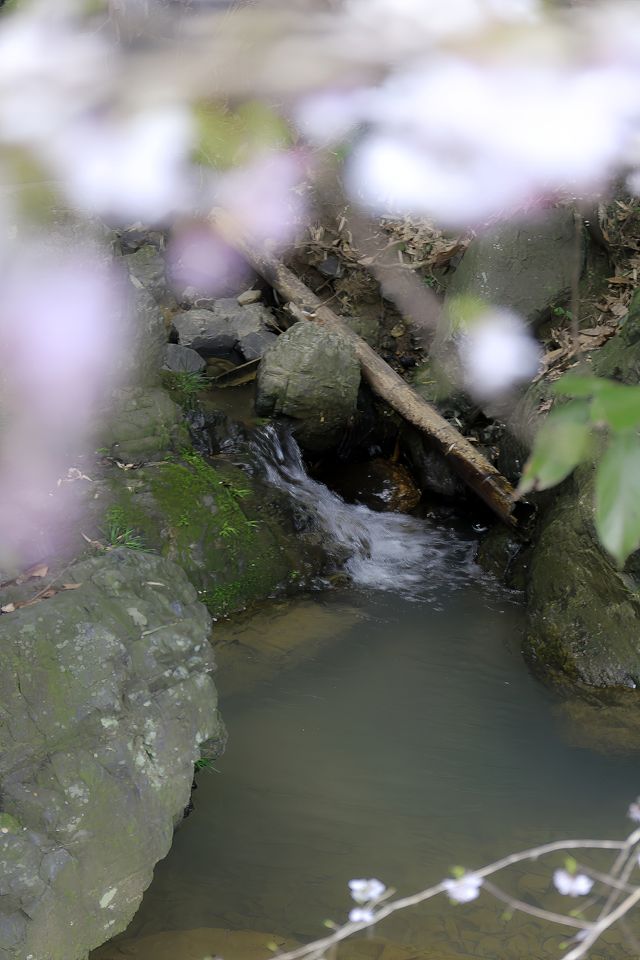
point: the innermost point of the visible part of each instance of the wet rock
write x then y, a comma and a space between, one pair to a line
181, 359
235, 539
225, 327
106, 696
526, 266
430, 468
311, 376
500, 554
582, 612
380, 484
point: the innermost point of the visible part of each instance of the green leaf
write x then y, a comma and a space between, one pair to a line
571, 865
617, 405
577, 385
458, 872
618, 496
562, 442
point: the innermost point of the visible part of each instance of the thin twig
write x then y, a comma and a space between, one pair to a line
411, 901
598, 928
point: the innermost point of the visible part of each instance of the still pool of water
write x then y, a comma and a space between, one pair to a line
386, 734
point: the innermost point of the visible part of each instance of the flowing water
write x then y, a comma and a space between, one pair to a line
390, 730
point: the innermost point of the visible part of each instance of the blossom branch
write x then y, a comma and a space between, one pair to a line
534, 853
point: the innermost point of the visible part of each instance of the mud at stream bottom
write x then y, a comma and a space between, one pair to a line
463, 941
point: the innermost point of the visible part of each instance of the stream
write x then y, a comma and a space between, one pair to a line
389, 729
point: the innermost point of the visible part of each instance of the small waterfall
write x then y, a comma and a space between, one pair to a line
388, 551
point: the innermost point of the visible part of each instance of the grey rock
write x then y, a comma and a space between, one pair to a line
526, 266
225, 328
249, 296
140, 420
181, 359
311, 376
147, 270
430, 468
144, 339
106, 695
143, 424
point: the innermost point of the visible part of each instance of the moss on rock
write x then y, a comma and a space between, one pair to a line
582, 611
209, 521
582, 614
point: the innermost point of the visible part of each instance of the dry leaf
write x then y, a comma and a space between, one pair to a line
37, 570
71, 586
8, 608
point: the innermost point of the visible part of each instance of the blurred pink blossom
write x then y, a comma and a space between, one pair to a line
50, 71
265, 198
197, 257
128, 170
497, 352
409, 21
460, 142
60, 333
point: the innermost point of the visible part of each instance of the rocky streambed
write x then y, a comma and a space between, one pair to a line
107, 696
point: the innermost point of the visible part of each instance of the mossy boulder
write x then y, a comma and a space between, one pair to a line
525, 265
106, 697
582, 611
228, 535
144, 423
311, 377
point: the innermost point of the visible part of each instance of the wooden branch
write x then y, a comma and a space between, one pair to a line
474, 469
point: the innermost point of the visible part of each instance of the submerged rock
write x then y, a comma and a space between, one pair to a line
380, 484
311, 376
196, 944
106, 696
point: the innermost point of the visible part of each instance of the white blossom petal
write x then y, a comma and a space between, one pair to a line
465, 888
127, 171
366, 891
497, 352
361, 915
572, 885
